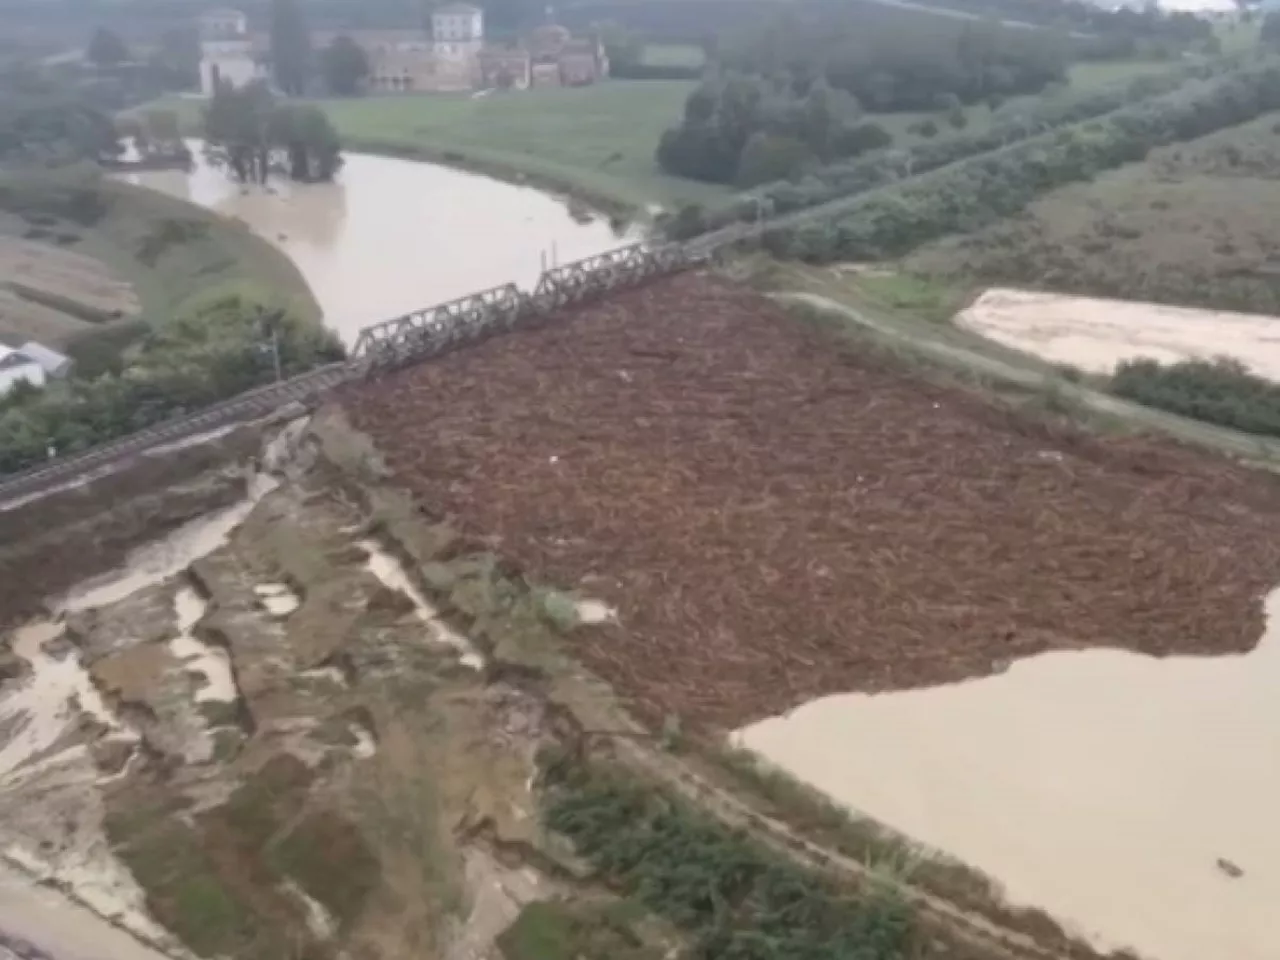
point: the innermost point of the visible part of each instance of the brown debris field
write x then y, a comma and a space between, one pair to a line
777, 517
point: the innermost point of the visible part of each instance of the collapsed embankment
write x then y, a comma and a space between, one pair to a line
51, 542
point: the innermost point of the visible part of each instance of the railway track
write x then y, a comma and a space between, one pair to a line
306, 389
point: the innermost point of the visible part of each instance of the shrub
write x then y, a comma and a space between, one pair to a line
1217, 391
847, 178
731, 895
967, 194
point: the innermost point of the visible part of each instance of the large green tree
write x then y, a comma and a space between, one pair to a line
344, 65
290, 47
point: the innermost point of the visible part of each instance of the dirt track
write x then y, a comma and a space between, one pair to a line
779, 519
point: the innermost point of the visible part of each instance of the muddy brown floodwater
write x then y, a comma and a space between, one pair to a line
1132, 797
392, 236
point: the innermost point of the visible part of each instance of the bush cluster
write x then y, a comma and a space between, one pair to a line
1218, 391
851, 177
213, 349
734, 897
968, 194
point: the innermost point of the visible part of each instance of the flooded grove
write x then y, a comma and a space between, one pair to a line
390, 236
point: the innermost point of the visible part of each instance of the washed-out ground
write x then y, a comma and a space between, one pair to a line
787, 521
258, 738
312, 723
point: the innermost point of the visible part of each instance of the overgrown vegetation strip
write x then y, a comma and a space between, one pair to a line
1215, 391
968, 194
733, 896
846, 179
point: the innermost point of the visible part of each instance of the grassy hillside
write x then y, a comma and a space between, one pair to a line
1193, 224
100, 261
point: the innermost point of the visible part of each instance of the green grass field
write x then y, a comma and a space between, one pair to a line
1189, 225
596, 141
673, 55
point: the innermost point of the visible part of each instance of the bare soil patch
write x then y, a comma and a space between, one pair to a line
777, 518
1095, 335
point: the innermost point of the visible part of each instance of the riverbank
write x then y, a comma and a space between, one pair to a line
172, 249
99, 259
593, 143
390, 236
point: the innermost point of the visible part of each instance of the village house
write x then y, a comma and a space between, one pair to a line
31, 363
452, 58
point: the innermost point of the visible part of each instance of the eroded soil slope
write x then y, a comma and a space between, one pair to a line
778, 518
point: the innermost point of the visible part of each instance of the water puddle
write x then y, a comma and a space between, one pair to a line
278, 599
44, 708
325, 674
213, 665
319, 921
392, 574
366, 745
1133, 798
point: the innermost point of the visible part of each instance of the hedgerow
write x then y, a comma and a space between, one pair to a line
735, 898
1220, 391
965, 195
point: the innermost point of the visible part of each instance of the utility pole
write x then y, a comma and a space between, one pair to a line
269, 325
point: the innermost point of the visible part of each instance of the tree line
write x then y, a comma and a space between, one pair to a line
1220, 391
251, 135
827, 183
792, 96
215, 347
733, 897
962, 196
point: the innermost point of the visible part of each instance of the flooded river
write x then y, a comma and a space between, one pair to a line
391, 236
1134, 798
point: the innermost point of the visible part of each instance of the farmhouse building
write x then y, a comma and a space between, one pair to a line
453, 57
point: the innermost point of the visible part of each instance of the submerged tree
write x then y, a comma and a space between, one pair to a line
251, 136
237, 129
